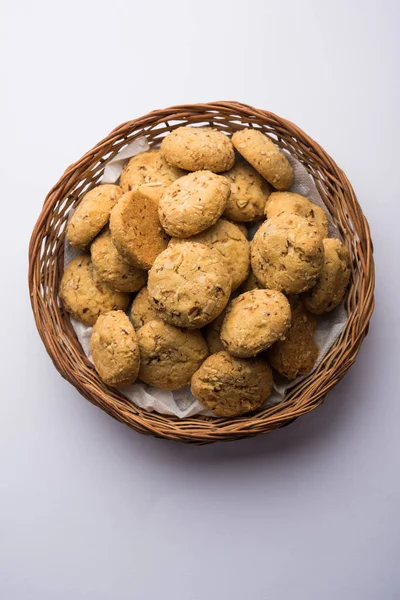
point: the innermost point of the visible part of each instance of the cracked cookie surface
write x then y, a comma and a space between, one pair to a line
333, 280
189, 285
84, 296
249, 193
136, 229
265, 157
168, 355
231, 386
115, 349
284, 203
92, 214
296, 354
225, 237
193, 203
112, 268
197, 148
150, 170
254, 321
287, 254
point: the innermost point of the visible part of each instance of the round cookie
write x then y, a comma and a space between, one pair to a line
195, 149
284, 203
231, 386
115, 349
249, 193
136, 230
287, 254
84, 296
254, 321
231, 243
333, 280
150, 170
193, 203
189, 285
112, 268
265, 157
91, 214
212, 334
241, 226
142, 311
296, 354
251, 283
168, 355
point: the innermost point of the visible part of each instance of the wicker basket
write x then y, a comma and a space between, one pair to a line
46, 265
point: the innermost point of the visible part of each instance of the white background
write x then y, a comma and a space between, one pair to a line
90, 510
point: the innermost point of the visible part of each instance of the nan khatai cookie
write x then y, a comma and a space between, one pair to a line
91, 214
251, 283
296, 354
241, 226
249, 193
231, 386
231, 243
84, 296
333, 280
193, 203
136, 230
212, 334
265, 157
150, 170
287, 254
168, 355
142, 311
112, 268
254, 321
195, 149
115, 349
189, 285
285, 203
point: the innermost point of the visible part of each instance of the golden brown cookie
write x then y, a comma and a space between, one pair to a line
112, 268
115, 349
284, 203
231, 386
212, 334
84, 296
195, 149
168, 355
231, 243
91, 214
241, 226
189, 285
150, 170
287, 254
254, 321
251, 283
249, 193
141, 310
136, 230
333, 280
296, 354
265, 157
193, 203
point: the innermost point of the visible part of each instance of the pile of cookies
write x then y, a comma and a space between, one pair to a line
211, 308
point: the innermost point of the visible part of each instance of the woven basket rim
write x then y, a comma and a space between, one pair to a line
46, 257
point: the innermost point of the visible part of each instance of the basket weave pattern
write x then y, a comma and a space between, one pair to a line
46, 254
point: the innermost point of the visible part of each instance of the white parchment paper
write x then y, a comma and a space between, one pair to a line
181, 402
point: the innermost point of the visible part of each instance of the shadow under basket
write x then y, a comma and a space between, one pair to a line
46, 254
